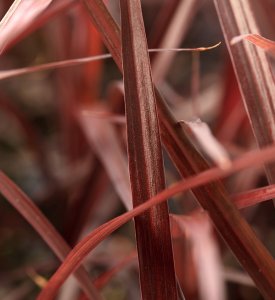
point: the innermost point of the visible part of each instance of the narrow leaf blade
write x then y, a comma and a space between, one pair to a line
39, 222
145, 159
252, 70
80, 251
20, 16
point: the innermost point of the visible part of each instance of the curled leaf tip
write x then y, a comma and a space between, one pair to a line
209, 48
199, 49
257, 40
237, 39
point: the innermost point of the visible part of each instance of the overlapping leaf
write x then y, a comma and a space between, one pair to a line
18, 18
79, 253
238, 235
46, 230
252, 70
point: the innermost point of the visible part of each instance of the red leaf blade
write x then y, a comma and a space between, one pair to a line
39, 222
81, 250
252, 70
257, 40
20, 16
212, 197
145, 159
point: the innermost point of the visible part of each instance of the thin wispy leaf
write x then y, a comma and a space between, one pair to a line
4, 74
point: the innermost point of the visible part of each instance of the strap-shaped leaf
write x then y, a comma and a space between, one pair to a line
156, 265
252, 70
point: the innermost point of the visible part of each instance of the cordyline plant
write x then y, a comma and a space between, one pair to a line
96, 147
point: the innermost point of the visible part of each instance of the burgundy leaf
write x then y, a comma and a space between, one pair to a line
213, 197
144, 149
252, 71
84, 247
39, 222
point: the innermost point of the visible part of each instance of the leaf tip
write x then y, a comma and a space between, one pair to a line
237, 39
210, 47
